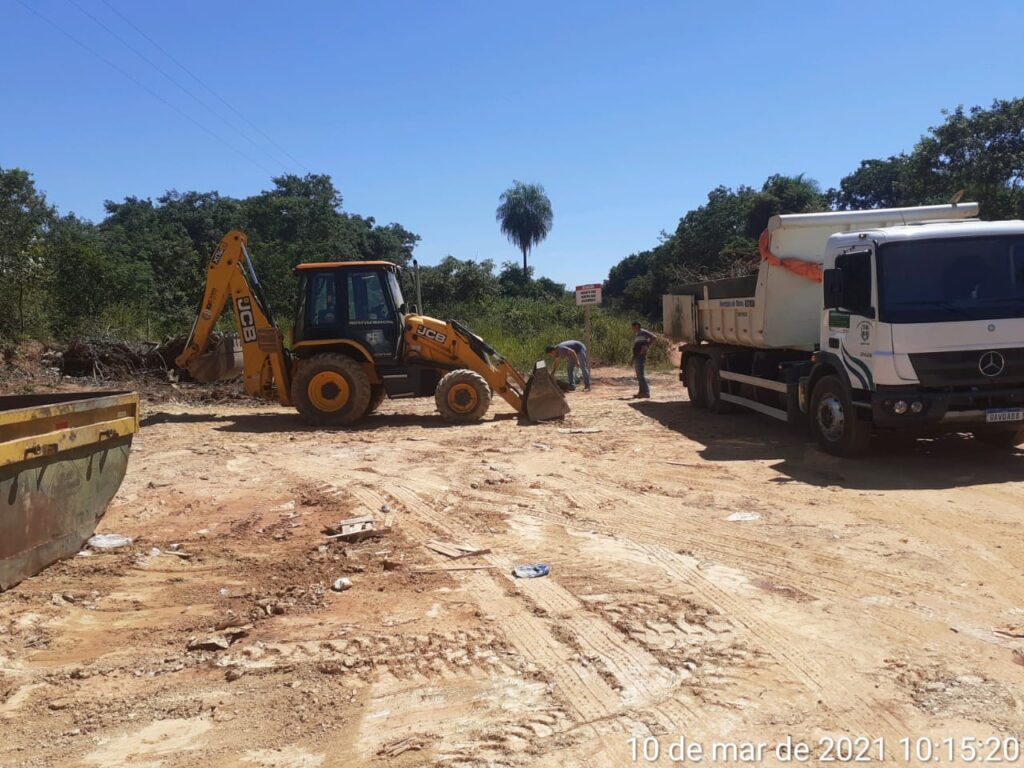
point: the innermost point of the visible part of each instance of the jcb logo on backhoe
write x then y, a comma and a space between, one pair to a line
431, 334
246, 319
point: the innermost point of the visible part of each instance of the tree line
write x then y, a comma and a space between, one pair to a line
980, 151
140, 271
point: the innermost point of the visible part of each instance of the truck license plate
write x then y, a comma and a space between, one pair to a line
1004, 414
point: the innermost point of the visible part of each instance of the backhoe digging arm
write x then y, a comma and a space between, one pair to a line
230, 277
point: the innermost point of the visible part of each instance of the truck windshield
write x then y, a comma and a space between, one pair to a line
955, 279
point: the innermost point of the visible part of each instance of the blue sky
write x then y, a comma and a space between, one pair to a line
628, 113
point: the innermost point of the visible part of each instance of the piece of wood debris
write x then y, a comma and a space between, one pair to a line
1011, 631
357, 529
396, 748
447, 569
580, 430
455, 551
178, 553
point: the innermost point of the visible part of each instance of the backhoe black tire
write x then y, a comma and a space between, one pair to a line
331, 390
713, 389
462, 397
1004, 439
695, 381
835, 421
377, 395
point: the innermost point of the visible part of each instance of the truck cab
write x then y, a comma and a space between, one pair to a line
927, 323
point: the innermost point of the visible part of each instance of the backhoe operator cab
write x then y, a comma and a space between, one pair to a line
353, 344
358, 301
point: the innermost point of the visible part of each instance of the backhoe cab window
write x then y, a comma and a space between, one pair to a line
367, 299
324, 302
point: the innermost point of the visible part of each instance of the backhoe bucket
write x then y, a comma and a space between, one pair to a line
543, 399
222, 362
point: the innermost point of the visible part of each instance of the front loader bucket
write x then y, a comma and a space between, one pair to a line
543, 399
223, 361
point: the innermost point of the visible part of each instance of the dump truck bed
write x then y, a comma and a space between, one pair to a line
780, 308
62, 459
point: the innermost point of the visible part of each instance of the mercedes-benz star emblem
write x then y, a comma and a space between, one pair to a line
991, 364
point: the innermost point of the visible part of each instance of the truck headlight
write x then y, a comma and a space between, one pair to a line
916, 407
899, 407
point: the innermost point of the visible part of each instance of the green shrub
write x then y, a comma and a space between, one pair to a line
520, 329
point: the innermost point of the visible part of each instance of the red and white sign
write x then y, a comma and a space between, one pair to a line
588, 294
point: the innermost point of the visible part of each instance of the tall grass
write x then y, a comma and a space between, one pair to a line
520, 329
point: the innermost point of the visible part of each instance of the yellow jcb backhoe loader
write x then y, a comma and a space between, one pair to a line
353, 344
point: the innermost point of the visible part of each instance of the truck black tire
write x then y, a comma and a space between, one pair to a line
695, 381
331, 390
835, 421
462, 397
377, 395
713, 389
1005, 439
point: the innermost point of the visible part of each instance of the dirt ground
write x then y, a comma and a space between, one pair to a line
714, 578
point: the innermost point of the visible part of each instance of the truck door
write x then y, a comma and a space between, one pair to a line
852, 324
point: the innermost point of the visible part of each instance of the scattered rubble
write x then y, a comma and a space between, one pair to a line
743, 517
356, 529
213, 643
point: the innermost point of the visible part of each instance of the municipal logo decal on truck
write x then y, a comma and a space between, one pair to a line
865, 332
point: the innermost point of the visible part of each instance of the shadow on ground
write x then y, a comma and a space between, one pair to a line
895, 462
263, 421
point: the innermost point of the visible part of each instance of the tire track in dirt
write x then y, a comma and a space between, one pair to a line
732, 545
637, 676
892, 616
540, 639
586, 694
813, 584
867, 718
864, 717
731, 539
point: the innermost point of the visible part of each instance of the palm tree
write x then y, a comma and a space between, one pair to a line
525, 216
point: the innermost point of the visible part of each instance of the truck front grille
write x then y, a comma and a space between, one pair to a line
996, 367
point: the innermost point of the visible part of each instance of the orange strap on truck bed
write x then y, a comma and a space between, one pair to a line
808, 269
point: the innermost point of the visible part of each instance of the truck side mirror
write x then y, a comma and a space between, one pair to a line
834, 288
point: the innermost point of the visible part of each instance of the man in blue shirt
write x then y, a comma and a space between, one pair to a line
641, 341
576, 353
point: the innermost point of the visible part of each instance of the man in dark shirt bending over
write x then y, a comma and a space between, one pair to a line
576, 353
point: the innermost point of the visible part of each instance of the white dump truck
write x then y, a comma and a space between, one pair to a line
900, 319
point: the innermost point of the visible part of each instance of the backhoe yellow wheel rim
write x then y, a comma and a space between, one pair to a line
463, 398
328, 391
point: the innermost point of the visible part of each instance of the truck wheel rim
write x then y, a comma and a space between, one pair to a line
462, 398
831, 418
328, 391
